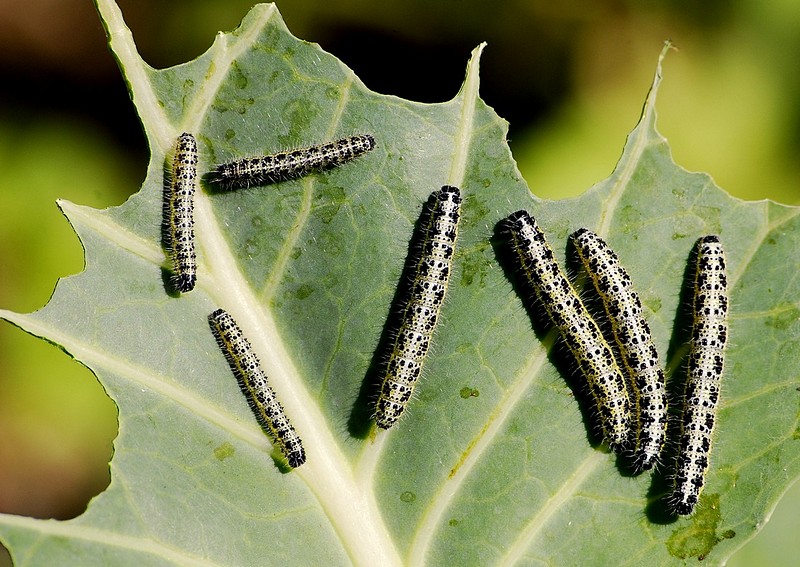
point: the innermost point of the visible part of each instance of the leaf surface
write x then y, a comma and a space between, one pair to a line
494, 463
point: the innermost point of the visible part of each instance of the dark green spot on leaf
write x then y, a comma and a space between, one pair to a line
699, 537
224, 451
304, 291
475, 264
408, 497
467, 392
784, 317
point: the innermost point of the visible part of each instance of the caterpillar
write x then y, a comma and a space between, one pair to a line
263, 170
578, 330
254, 384
706, 364
438, 233
632, 336
178, 214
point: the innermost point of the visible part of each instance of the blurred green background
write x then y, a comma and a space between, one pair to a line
570, 77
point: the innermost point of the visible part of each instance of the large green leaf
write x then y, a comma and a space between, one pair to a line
493, 464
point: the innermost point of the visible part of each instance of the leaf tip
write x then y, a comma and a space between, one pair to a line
649, 110
474, 65
668, 46
472, 81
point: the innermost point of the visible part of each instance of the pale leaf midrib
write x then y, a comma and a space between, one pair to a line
642, 136
327, 473
583, 471
225, 52
74, 530
278, 270
477, 447
158, 128
99, 360
351, 513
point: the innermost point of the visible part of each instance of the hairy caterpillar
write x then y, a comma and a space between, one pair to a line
706, 364
418, 322
579, 331
253, 382
262, 170
632, 336
178, 213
